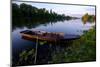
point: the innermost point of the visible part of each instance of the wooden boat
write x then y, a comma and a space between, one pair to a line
47, 36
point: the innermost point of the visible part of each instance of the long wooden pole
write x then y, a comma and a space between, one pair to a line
36, 50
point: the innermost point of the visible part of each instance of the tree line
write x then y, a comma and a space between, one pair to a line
28, 12
88, 18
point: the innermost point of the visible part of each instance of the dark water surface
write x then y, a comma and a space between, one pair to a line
46, 51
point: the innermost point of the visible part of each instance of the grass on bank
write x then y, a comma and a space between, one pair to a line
83, 49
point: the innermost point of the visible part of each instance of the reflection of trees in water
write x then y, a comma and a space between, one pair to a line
31, 16
31, 23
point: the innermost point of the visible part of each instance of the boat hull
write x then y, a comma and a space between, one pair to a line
50, 39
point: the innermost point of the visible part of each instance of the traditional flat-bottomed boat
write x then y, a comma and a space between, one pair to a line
47, 36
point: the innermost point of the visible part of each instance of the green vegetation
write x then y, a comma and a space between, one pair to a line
88, 18
83, 49
26, 57
31, 16
28, 12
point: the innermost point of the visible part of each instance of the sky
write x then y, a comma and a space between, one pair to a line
63, 9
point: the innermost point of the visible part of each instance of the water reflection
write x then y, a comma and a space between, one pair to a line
32, 23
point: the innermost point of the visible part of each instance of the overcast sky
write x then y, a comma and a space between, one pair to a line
63, 9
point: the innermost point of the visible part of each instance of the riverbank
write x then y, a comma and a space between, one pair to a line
83, 49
